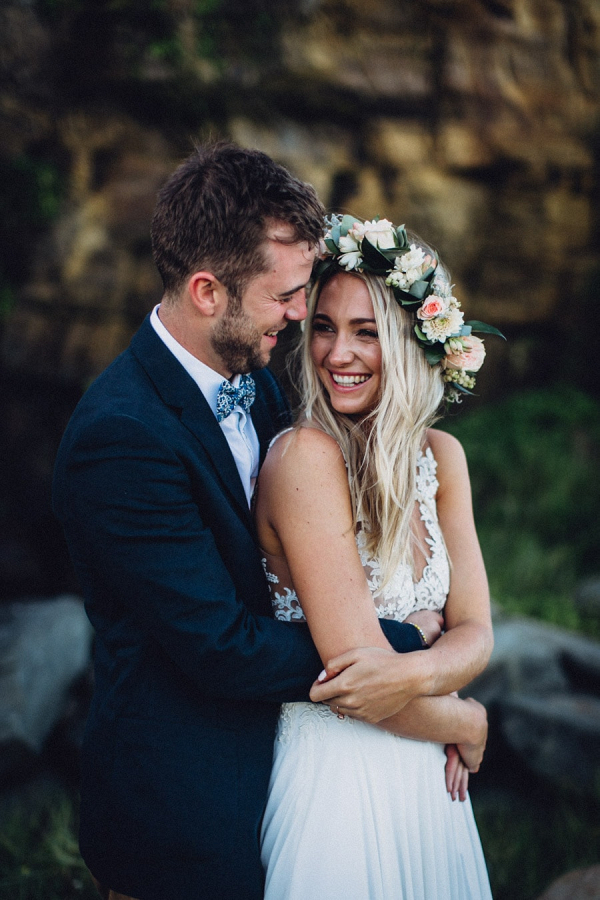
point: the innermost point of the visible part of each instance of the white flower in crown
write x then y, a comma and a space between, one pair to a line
408, 268
351, 255
440, 328
413, 259
399, 280
379, 233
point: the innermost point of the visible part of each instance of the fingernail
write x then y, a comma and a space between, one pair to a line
322, 676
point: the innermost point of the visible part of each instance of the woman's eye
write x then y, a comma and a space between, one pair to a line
365, 332
321, 326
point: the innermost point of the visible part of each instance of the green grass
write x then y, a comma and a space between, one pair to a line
39, 857
534, 461
531, 840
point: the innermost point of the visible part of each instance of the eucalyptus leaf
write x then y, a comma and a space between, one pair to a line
346, 224
420, 289
420, 334
465, 331
331, 245
335, 234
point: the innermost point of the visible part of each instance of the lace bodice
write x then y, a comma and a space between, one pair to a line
402, 595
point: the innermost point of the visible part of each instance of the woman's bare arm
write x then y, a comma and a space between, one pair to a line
303, 512
305, 472
365, 688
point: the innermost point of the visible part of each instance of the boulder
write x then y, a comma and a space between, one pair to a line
580, 884
542, 691
45, 648
587, 596
558, 737
535, 658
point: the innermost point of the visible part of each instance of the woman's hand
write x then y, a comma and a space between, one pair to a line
465, 758
457, 774
431, 623
472, 754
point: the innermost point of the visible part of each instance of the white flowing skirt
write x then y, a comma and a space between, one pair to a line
355, 813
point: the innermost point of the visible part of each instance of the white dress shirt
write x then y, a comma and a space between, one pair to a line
238, 427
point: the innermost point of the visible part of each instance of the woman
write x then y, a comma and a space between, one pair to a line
364, 511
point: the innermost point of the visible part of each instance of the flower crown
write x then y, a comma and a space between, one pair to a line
379, 248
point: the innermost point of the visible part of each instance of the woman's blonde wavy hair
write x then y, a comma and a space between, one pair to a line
380, 449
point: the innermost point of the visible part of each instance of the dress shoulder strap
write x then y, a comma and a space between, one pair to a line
277, 436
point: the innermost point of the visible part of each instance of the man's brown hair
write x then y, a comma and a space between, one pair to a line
213, 212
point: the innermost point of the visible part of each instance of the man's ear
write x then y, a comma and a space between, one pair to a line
206, 293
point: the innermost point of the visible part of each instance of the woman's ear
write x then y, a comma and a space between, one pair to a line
206, 293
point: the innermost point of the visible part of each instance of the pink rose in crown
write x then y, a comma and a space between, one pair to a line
432, 307
470, 359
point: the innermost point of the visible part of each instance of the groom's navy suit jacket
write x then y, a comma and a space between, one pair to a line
190, 666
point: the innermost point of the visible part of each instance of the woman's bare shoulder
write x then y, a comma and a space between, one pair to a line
443, 443
304, 447
449, 455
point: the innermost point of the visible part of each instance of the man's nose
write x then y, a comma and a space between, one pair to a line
296, 309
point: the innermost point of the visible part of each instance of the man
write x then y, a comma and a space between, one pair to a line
153, 482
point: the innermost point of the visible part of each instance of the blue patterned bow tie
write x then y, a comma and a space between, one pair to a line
229, 396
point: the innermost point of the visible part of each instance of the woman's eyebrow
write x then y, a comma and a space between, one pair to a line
352, 321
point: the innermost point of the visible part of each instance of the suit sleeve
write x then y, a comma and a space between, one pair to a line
140, 545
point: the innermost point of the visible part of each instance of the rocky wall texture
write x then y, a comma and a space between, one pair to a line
475, 122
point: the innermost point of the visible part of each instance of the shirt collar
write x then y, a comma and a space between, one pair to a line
206, 378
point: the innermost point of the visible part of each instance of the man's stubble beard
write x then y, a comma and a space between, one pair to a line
238, 342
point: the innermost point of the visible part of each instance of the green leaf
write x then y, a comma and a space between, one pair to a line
465, 331
346, 224
485, 329
420, 334
322, 267
402, 238
331, 245
335, 233
433, 355
420, 289
404, 298
375, 260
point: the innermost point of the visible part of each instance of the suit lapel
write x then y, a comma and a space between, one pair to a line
180, 392
263, 423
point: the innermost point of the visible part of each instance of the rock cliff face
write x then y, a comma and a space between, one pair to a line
475, 122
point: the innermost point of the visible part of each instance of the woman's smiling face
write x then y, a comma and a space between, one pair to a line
345, 345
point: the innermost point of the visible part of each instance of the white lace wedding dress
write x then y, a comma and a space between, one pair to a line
356, 813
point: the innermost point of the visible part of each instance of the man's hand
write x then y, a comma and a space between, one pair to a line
369, 683
430, 623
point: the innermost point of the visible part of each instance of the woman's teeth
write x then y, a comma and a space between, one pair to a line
347, 380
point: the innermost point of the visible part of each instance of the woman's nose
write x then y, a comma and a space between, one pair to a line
341, 352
